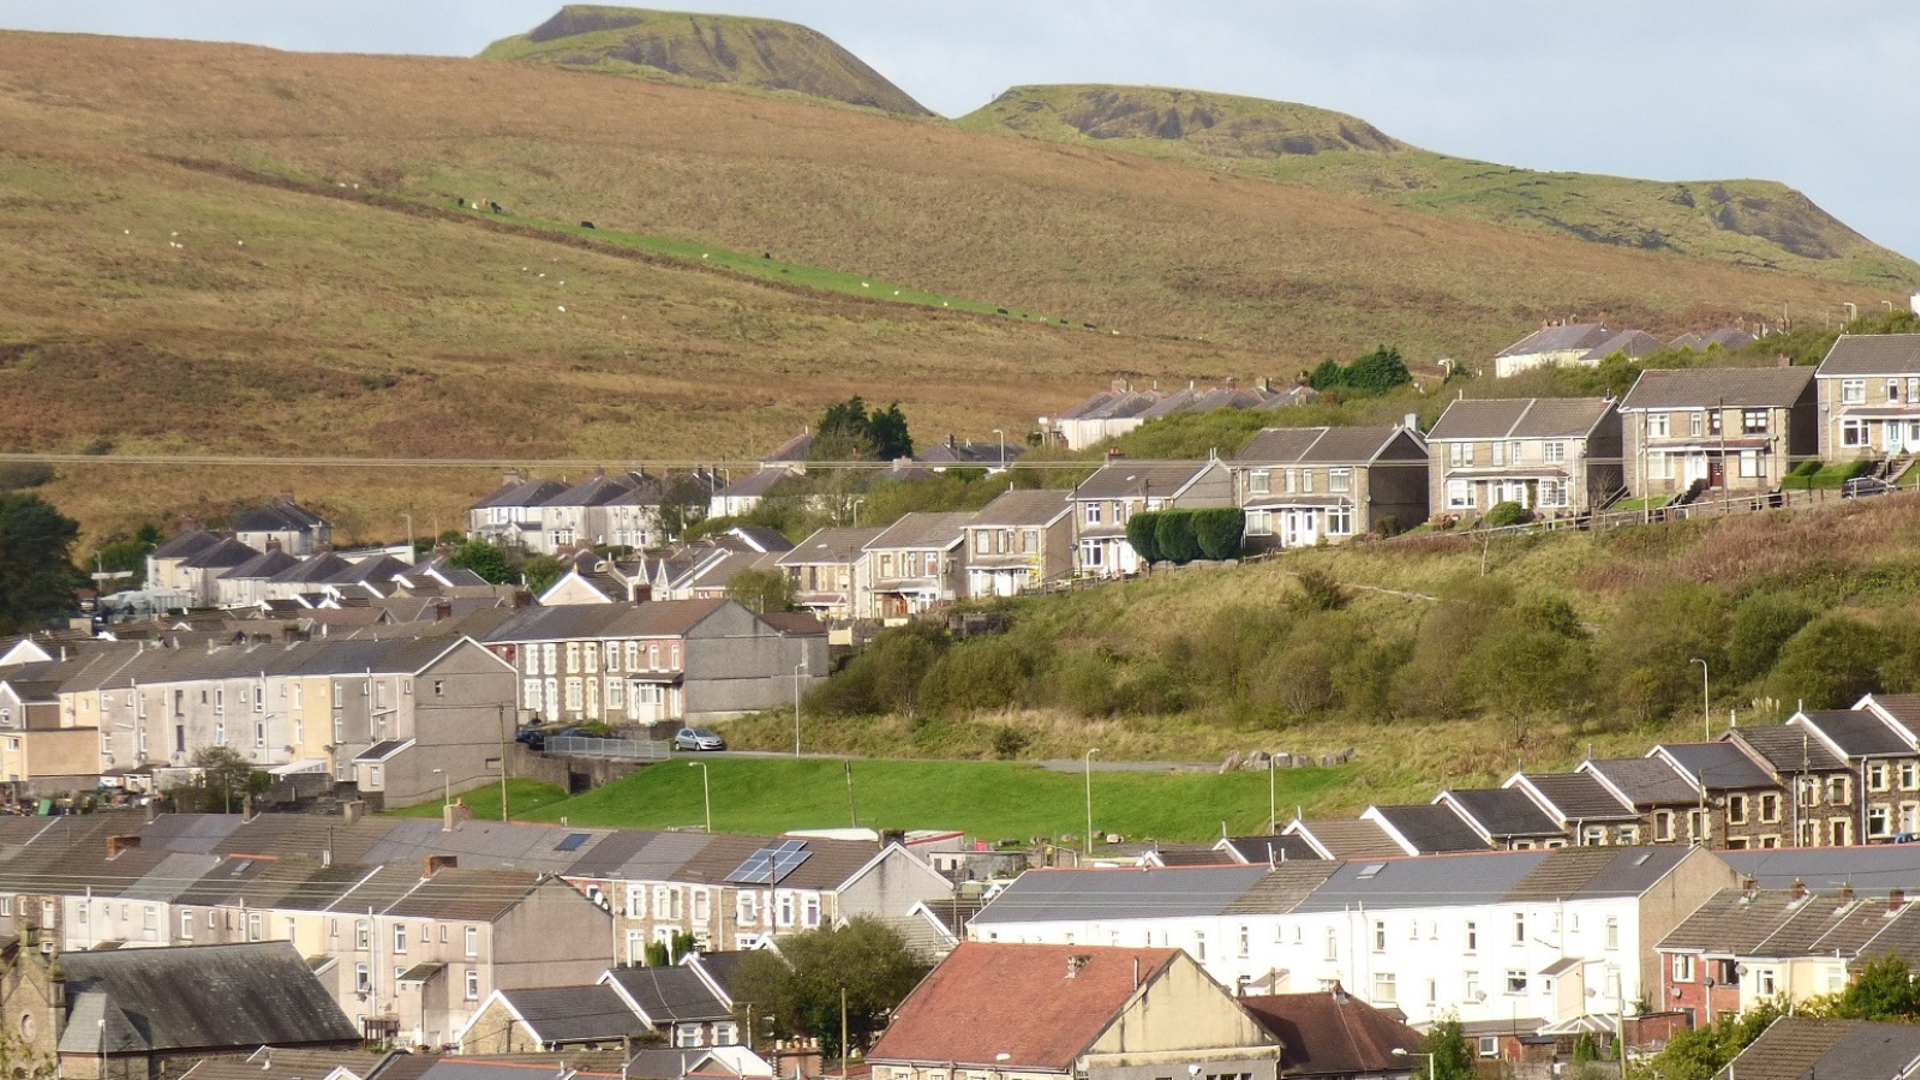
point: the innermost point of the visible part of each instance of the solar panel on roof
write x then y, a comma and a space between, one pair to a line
572, 841
771, 864
1371, 869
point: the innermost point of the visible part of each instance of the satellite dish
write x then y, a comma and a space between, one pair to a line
1740, 969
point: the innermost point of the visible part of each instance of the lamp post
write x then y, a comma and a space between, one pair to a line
1003, 438
1089, 759
1706, 708
797, 670
1273, 815
706, 790
1401, 1051
446, 787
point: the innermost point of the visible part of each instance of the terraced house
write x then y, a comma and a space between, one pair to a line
1105, 501
1553, 457
1303, 486
918, 563
1869, 398
1720, 429
1020, 541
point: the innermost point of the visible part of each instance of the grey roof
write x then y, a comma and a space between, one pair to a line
264, 565
1577, 796
667, 994
1798, 1047
754, 486
756, 538
1871, 870
1878, 354
522, 493
1330, 445
563, 1014
198, 997
1788, 748
1502, 812
1520, 418
830, 546
593, 491
226, 554
1348, 838
1588, 873
1717, 765
187, 544
1122, 479
1427, 881
1857, 734
277, 517
1727, 337
487, 845
1562, 338
1043, 895
1646, 781
656, 618
1113, 405
1283, 888
937, 531
794, 449
1697, 388
1632, 344
1038, 506
1430, 828
1258, 850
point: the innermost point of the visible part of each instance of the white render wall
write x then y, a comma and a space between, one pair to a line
1424, 949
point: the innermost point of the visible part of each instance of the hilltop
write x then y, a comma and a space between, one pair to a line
722, 50
1755, 223
229, 249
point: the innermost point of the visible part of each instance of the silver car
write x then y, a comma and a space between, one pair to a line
698, 739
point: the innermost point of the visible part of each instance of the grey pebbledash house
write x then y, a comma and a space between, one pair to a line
1300, 486
1732, 429
1557, 457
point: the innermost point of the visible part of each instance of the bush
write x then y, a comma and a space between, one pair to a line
20, 475
1141, 533
1084, 685
1507, 513
1762, 624
1830, 664
1219, 531
1009, 741
981, 675
1173, 534
1319, 591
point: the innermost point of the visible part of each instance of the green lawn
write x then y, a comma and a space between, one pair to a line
988, 800
524, 796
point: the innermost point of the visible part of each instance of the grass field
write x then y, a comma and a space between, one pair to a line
524, 797
989, 800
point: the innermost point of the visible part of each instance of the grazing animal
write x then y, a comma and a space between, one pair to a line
1000, 310
586, 224
767, 255
495, 207
460, 202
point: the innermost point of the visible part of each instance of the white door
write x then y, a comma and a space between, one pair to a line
1894, 430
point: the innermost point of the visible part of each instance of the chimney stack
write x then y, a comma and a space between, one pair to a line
433, 864
1075, 963
442, 610
1846, 894
118, 844
1799, 891
1747, 885
353, 810
454, 813
1896, 899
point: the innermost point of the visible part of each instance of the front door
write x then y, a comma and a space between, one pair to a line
1298, 528
1894, 430
1716, 471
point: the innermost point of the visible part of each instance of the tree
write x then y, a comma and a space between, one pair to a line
1762, 624
1173, 534
801, 985
666, 954
887, 431
1141, 529
1452, 1057
541, 571
761, 591
684, 499
1830, 663
484, 559
225, 777
1884, 990
1219, 530
847, 432
37, 577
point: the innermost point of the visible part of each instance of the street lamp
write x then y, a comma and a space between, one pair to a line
797, 670
446, 787
1003, 438
1273, 815
706, 790
1089, 756
1401, 1051
1706, 709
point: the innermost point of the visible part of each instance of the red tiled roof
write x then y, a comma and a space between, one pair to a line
988, 999
1329, 1033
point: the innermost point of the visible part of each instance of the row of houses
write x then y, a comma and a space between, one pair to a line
1567, 343
401, 711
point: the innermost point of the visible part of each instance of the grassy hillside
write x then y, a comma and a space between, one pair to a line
228, 249
1744, 222
745, 53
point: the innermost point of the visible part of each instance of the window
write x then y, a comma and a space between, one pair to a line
1753, 421
1853, 433
259, 735
533, 694
473, 984
186, 924
1909, 776
1333, 943
1259, 482
1472, 986
1340, 521
573, 657
1553, 452
1246, 941
1499, 450
1259, 523
1853, 391
253, 926
1613, 932
1657, 425
1877, 821
1696, 424
1553, 493
1459, 495
1662, 826
1839, 790
1682, 968
813, 919
1339, 480
362, 980
1489, 1046
1200, 946
1519, 928
616, 692
1893, 389
1699, 826
549, 657
633, 656
1460, 454
219, 733
1473, 937
1379, 935
1092, 513
399, 939
1877, 774
1736, 809
1765, 983
1385, 988
1516, 981
593, 658
573, 693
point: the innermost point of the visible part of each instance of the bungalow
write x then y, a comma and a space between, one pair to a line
591, 1017
1120, 489
1734, 429
1302, 485
1062, 1012
1020, 541
1556, 457
1869, 393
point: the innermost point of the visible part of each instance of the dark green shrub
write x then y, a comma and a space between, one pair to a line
1174, 536
1218, 530
1507, 513
1008, 741
1319, 591
1762, 624
20, 475
1830, 664
1141, 533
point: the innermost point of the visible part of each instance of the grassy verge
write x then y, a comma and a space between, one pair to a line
524, 797
989, 800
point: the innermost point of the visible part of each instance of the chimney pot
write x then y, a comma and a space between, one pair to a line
1799, 889
1896, 899
433, 864
118, 844
1846, 894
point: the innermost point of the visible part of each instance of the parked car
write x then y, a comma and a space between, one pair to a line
698, 739
1862, 486
532, 738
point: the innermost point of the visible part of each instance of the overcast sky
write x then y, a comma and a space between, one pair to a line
1823, 95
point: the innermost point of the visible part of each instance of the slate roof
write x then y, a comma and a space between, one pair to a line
828, 865
1283, 888
1261, 850
1039, 506
186, 545
1429, 881
264, 565
1577, 796
198, 997
1798, 1048
1431, 828
1733, 388
1014, 1007
593, 491
1788, 748
830, 546
1118, 894
1721, 766
460, 894
1333, 1034
1857, 734
1875, 354
1124, 479
1598, 872
278, 1063
1632, 344
1727, 337
657, 618
1344, 838
755, 538
1563, 338
668, 994
1502, 812
938, 531
794, 449
225, 555
1646, 781
1520, 418
1329, 445
1871, 871
755, 485
277, 517
564, 1014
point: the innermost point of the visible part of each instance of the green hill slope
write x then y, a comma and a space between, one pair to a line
1754, 223
759, 54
